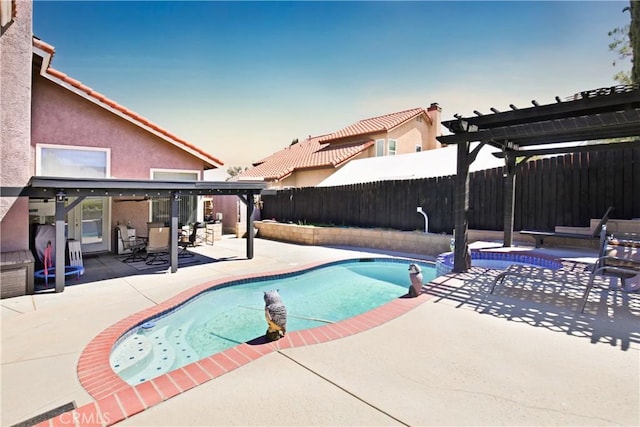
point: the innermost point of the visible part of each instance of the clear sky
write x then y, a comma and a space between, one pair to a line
243, 79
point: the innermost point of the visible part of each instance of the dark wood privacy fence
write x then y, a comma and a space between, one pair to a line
565, 190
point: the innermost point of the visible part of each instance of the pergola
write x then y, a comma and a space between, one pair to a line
59, 189
582, 122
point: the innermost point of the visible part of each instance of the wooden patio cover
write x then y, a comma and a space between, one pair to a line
59, 189
582, 122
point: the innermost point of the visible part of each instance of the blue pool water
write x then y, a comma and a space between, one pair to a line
226, 316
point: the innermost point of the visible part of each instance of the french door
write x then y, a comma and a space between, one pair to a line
88, 222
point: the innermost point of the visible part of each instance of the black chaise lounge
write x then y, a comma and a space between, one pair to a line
541, 235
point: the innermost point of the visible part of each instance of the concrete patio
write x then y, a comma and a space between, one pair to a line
521, 356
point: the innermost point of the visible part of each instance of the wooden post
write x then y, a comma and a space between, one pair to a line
509, 198
462, 258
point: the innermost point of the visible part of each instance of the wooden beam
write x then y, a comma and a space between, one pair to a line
572, 149
607, 125
604, 103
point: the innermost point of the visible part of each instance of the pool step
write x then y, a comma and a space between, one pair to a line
162, 358
177, 338
135, 351
165, 348
143, 355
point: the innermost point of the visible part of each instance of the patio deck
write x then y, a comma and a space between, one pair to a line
522, 356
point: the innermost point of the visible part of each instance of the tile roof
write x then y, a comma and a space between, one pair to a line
85, 91
376, 124
306, 154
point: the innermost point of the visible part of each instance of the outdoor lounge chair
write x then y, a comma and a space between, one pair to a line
619, 257
541, 235
135, 244
158, 246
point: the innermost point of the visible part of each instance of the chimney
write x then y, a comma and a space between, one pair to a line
435, 111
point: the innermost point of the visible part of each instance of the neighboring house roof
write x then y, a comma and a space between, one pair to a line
377, 124
47, 51
310, 153
322, 151
425, 164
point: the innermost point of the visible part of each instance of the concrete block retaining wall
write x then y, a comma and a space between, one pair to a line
620, 225
392, 240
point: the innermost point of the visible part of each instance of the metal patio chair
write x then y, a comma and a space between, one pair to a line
134, 244
619, 258
158, 246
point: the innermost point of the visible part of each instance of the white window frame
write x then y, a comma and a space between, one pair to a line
390, 151
380, 147
152, 171
39, 148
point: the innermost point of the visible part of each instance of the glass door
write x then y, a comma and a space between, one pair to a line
89, 223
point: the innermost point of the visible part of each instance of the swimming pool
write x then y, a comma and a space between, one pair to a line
233, 313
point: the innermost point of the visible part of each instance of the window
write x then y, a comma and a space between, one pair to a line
188, 205
72, 162
391, 147
379, 147
418, 148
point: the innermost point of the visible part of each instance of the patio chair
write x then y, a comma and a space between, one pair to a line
209, 234
619, 258
75, 254
134, 244
185, 242
158, 246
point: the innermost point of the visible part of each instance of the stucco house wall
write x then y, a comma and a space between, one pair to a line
305, 178
15, 104
412, 133
61, 117
311, 177
229, 207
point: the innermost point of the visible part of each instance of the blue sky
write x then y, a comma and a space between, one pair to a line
243, 79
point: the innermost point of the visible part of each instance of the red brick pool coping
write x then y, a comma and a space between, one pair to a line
116, 400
